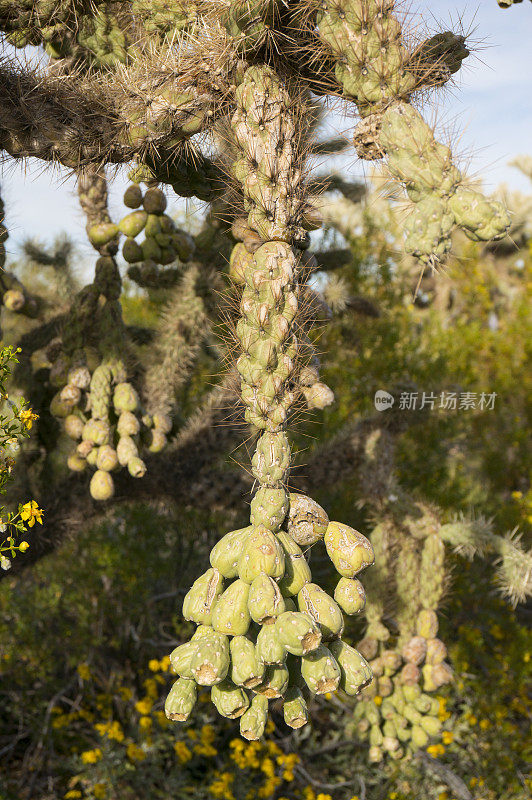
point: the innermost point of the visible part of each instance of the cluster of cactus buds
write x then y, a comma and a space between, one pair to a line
163, 242
101, 411
265, 630
397, 712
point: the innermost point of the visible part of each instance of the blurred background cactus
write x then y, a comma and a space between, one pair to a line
220, 372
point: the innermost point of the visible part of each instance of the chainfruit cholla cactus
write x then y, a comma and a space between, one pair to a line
144, 84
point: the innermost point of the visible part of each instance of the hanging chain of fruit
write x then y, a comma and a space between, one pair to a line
265, 630
100, 408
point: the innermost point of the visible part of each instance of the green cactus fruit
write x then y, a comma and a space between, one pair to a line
230, 701
125, 398
246, 668
289, 604
295, 710
297, 632
423, 703
154, 201
314, 601
269, 507
431, 725
107, 458
271, 460
181, 700
136, 467
482, 219
262, 552
253, 721
265, 601
211, 660
79, 377
153, 226
101, 486
348, 549
184, 245
162, 422
415, 650
76, 463
350, 595
240, 264
133, 196
384, 686
60, 408
226, 553
297, 571
201, 598
436, 651
411, 692
409, 674
92, 456
355, 670
375, 755
181, 657
391, 660
132, 251
375, 736
73, 426
14, 300
419, 737
151, 250
70, 394
268, 648
320, 671
102, 233
307, 521
128, 424
156, 441
126, 450
274, 682
368, 647
427, 624
132, 224
230, 614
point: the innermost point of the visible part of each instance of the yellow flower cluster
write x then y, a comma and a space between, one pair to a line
220, 788
182, 752
205, 747
92, 756
113, 730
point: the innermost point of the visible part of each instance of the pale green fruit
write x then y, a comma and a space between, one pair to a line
101, 486
350, 595
230, 701
253, 721
246, 668
295, 710
298, 633
180, 700
201, 598
230, 613
307, 521
348, 549
314, 601
226, 553
320, 671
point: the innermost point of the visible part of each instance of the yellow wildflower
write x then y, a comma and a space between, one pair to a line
92, 756
192, 734
447, 737
154, 665
84, 671
23, 546
73, 794
271, 783
125, 693
270, 726
161, 718
150, 684
324, 797
221, 787
164, 664
143, 706
435, 750
99, 791
182, 752
484, 724
27, 417
308, 793
377, 700
145, 723
30, 512
134, 752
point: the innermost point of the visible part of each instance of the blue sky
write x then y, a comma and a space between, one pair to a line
489, 105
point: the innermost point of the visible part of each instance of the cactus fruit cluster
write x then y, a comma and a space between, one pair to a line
101, 412
398, 712
265, 630
162, 242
